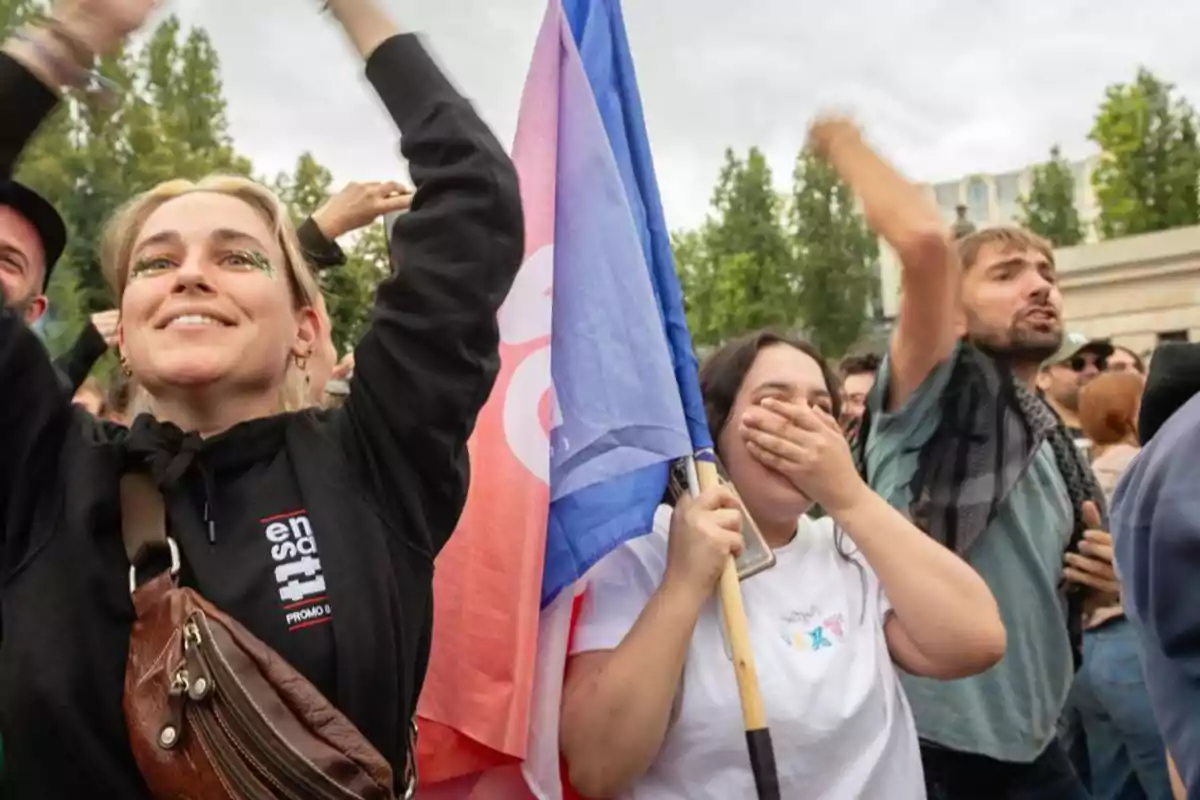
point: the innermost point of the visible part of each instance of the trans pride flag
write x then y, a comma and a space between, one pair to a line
597, 395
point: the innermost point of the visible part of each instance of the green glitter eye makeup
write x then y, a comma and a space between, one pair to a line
145, 266
238, 260
256, 260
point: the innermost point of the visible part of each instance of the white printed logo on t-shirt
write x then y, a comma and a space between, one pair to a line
298, 573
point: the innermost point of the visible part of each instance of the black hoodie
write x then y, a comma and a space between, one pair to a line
317, 530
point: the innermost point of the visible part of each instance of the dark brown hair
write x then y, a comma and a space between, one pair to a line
724, 371
865, 364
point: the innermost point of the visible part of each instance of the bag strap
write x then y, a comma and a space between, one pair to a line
143, 523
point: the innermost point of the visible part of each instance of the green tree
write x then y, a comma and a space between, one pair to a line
183, 78
350, 289
15, 12
835, 257
1149, 172
306, 188
1049, 208
737, 269
167, 120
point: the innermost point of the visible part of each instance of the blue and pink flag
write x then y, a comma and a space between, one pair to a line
597, 395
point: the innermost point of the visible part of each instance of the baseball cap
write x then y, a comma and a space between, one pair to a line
1075, 343
45, 220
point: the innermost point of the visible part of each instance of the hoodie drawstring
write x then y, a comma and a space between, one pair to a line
169, 453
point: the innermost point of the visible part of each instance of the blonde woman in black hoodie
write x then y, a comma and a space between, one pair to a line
316, 530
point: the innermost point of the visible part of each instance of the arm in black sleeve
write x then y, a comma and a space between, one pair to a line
76, 364
321, 251
428, 362
24, 103
34, 413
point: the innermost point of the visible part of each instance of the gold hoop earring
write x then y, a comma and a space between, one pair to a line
125, 367
302, 361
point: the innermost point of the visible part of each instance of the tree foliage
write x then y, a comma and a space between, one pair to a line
350, 289
1149, 171
805, 262
835, 255
1049, 208
737, 270
97, 151
168, 121
306, 188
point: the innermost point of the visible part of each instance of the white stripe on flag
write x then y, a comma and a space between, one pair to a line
541, 765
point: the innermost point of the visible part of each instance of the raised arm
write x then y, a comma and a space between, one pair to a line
356, 206
34, 409
76, 364
945, 621
320, 248
427, 363
904, 216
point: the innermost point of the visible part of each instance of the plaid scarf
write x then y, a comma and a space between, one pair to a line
991, 428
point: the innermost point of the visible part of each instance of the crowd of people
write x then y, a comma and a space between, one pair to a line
216, 567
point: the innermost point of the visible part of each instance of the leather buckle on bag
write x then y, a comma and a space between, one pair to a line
410, 763
141, 558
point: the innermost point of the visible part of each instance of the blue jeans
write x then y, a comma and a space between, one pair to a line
1125, 750
950, 775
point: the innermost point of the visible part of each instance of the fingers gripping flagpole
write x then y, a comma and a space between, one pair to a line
737, 632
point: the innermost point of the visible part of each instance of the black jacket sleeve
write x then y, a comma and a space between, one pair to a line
321, 251
76, 364
34, 412
24, 103
431, 355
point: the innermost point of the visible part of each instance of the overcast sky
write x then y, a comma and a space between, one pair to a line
944, 87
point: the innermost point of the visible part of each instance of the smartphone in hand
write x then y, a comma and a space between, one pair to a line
757, 556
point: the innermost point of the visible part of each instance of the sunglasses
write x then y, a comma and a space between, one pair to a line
1079, 364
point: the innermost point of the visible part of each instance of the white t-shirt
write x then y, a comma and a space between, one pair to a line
840, 724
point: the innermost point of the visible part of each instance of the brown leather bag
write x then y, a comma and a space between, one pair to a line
215, 714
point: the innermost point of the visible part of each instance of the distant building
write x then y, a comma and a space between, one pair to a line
1138, 291
989, 200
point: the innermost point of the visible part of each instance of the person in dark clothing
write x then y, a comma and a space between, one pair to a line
1156, 520
316, 530
32, 237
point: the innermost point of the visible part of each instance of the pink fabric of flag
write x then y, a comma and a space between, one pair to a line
474, 709
560, 477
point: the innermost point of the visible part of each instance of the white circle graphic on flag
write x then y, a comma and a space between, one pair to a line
525, 318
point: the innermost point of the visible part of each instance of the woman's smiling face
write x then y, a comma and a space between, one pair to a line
207, 298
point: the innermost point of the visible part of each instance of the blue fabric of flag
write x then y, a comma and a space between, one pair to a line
619, 419
600, 34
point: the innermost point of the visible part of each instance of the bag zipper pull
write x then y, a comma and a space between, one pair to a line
171, 731
201, 678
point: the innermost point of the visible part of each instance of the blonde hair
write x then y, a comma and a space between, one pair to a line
122, 231
1007, 237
